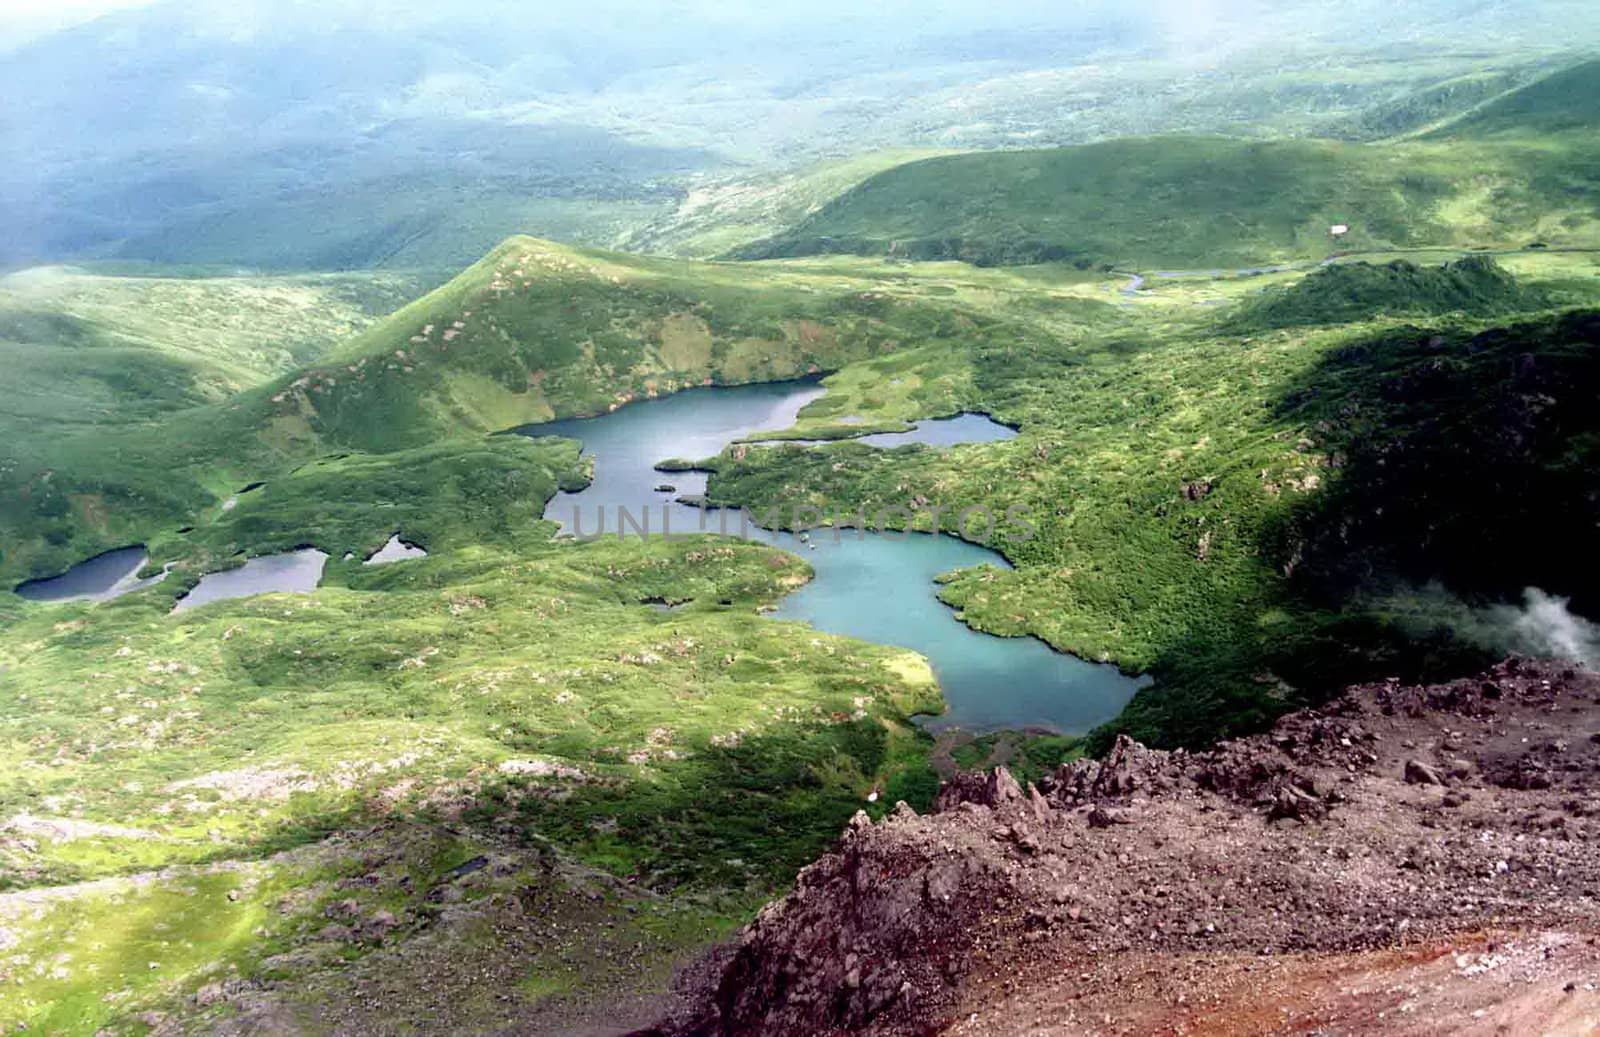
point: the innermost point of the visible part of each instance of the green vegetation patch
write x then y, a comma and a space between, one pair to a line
1568, 101
1515, 170
525, 692
1345, 292
453, 494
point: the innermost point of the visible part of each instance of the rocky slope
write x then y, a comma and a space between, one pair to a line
1403, 860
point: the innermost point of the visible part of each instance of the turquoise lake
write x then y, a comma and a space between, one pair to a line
873, 586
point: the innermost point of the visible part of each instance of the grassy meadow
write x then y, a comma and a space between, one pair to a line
175, 786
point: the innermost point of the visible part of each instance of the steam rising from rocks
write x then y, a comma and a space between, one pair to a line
1543, 626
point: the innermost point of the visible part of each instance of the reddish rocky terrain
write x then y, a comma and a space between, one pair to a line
1418, 860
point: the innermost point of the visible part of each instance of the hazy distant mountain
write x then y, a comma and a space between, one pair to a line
347, 133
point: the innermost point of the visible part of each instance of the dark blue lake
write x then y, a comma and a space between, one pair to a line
100, 578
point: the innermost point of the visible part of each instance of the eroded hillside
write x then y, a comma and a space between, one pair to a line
1405, 860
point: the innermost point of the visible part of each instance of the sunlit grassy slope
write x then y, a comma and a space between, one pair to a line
83, 350
1207, 202
1518, 170
1427, 106
193, 799
720, 215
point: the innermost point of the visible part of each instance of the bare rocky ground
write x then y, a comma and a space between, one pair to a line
1409, 860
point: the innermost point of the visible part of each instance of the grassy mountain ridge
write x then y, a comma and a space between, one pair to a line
537, 330
1428, 106
1208, 202
531, 332
1567, 101
1195, 203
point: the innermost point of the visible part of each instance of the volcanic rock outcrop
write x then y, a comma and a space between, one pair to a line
1404, 859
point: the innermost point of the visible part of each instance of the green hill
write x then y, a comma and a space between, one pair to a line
84, 350
1566, 102
536, 331
533, 331
720, 216
1345, 292
1206, 202
1419, 109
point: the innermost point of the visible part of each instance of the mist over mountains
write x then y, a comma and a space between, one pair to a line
257, 133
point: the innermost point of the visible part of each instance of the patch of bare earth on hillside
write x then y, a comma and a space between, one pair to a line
1407, 860
515, 940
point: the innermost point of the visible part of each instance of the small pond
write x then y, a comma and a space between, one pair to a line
296, 572
100, 578
396, 550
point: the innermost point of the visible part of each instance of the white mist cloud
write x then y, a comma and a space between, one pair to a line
24, 20
1544, 626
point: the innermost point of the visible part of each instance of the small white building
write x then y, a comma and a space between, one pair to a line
1339, 230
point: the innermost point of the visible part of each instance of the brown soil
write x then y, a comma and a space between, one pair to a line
1408, 860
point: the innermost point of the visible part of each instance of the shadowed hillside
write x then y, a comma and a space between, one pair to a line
1567, 101
1344, 292
1465, 461
1465, 458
